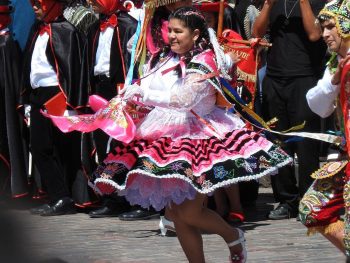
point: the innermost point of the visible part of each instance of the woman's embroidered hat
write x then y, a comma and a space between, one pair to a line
339, 10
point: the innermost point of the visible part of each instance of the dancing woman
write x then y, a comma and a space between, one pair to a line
187, 147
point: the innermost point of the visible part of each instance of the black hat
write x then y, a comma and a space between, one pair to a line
240, 80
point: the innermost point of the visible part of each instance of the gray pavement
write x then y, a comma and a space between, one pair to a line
80, 239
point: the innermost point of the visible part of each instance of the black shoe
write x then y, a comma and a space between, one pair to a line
283, 211
105, 211
63, 206
38, 210
139, 214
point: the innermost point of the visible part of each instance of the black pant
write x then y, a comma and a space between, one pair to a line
45, 141
107, 90
285, 99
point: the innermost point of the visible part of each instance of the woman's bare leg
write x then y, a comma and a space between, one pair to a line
168, 214
190, 239
190, 217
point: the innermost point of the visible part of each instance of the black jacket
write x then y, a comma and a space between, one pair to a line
67, 53
120, 57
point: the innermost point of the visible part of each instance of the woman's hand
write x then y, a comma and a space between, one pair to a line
132, 91
234, 57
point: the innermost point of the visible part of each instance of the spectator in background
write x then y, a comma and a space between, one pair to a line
294, 64
12, 159
243, 91
54, 80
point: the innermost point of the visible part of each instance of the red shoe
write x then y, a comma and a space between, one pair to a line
235, 217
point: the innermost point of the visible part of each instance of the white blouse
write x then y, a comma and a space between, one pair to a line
176, 103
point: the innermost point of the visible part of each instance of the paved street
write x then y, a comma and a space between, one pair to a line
79, 239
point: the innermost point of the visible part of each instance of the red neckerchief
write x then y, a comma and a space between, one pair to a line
112, 21
44, 28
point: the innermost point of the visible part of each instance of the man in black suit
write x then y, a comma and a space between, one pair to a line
243, 91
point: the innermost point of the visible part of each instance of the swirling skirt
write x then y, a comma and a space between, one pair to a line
156, 173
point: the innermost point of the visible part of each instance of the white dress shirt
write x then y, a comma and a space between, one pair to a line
321, 98
42, 73
103, 53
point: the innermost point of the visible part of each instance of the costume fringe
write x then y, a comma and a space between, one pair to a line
157, 3
80, 16
331, 228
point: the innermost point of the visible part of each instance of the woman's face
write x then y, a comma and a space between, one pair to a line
181, 38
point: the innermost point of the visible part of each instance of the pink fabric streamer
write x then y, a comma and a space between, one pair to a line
111, 117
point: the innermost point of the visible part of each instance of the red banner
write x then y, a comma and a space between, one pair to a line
246, 68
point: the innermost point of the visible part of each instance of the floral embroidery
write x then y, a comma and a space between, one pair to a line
220, 172
264, 163
277, 156
239, 162
201, 179
207, 184
176, 166
252, 162
247, 167
149, 166
189, 173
